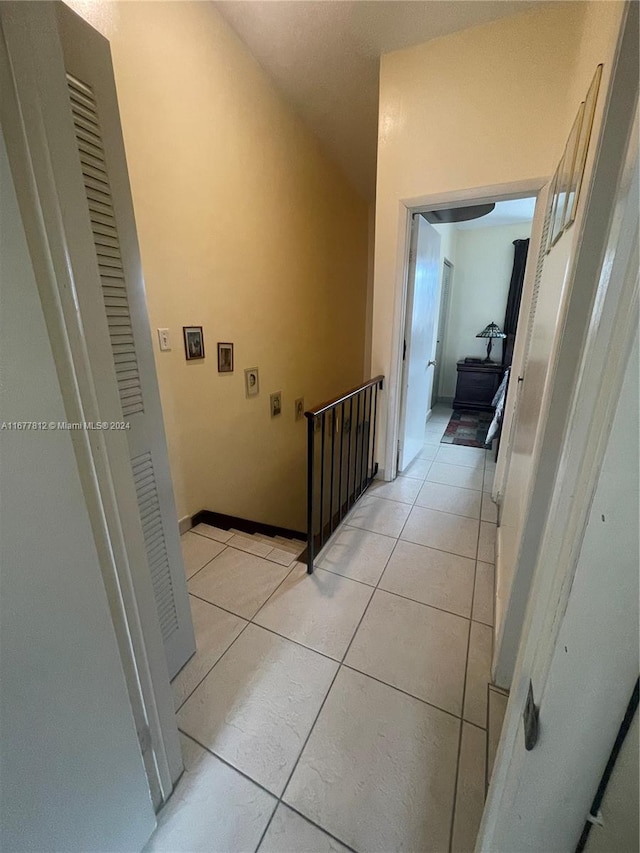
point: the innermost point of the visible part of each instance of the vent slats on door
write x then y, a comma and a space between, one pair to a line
105, 237
536, 284
153, 531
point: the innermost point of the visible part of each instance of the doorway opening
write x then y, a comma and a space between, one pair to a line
464, 280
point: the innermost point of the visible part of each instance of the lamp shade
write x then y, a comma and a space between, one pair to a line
491, 331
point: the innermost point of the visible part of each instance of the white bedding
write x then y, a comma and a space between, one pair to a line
498, 402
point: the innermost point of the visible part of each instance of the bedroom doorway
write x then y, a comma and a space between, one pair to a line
480, 271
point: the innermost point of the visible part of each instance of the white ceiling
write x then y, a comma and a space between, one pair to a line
513, 212
324, 57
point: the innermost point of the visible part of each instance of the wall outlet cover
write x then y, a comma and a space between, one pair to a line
164, 340
299, 408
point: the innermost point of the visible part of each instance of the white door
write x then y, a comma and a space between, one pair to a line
541, 409
423, 300
579, 650
72, 186
100, 158
447, 272
72, 773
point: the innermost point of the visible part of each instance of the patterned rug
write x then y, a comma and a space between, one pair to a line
467, 428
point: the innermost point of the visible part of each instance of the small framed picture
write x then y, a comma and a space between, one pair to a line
251, 382
551, 204
193, 342
560, 194
554, 207
582, 147
299, 408
570, 156
275, 401
225, 358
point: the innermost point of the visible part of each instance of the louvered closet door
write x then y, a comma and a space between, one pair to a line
101, 158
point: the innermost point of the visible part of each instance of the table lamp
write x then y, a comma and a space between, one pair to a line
491, 331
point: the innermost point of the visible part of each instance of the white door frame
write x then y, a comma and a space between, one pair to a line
423, 204
520, 351
613, 115
102, 456
422, 233
527, 805
443, 320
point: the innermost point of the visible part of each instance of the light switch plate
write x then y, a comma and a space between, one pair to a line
165, 342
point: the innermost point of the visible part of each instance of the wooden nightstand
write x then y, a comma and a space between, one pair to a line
477, 384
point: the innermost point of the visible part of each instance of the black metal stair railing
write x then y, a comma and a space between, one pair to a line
340, 460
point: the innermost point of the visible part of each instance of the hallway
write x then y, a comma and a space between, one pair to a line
349, 709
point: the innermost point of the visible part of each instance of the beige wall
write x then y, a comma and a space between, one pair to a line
247, 229
486, 106
483, 262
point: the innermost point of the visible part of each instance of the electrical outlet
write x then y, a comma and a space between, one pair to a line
299, 408
163, 337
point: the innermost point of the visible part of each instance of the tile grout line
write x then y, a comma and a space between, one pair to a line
239, 551
426, 604
493, 637
447, 511
266, 790
278, 799
486, 751
317, 826
342, 663
249, 622
411, 542
197, 572
313, 725
226, 762
227, 544
286, 785
464, 695
391, 591
460, 719
244, 628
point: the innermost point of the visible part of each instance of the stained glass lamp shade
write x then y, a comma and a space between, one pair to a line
491, 331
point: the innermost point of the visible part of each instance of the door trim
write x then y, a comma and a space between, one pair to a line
443, 322
520, 350
101, 455
610, 337
422, 204
600, 330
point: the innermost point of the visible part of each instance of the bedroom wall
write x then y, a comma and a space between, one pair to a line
483, 262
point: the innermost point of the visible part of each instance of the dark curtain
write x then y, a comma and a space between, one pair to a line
513, 302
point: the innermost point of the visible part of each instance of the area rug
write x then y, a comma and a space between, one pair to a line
467, 428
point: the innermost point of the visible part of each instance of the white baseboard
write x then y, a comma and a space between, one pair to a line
184, 524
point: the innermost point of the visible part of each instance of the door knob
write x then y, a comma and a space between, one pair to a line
429, 363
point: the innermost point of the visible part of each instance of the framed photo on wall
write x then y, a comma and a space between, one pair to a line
193, 342
551, 204
225, 358
556, 215
251, 382
275, 403
570, 157
562, 188
586, 125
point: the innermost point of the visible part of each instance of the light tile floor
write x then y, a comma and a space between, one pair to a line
349, 709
